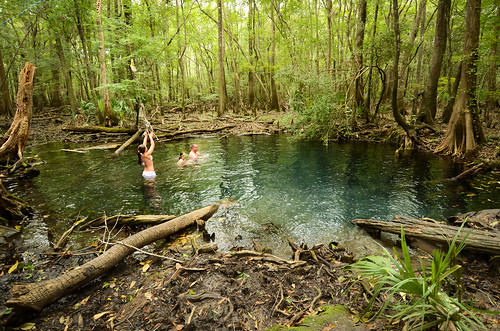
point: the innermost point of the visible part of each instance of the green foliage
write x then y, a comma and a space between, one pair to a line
424, 302
319, 107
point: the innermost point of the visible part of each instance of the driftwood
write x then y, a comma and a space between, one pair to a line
131, 220
136, 136
14, 141
477, 240
35, 296
99, 129
469, 172
178, 133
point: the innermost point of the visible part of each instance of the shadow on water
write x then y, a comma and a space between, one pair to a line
307, 191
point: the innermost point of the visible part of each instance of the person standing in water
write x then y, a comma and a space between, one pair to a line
182, 159
145, 157
194, 154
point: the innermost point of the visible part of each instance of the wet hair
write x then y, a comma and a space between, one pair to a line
180, 155
140, 150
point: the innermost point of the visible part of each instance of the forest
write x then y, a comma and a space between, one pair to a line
419, 73
333, 65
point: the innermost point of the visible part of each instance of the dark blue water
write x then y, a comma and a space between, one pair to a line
310, 192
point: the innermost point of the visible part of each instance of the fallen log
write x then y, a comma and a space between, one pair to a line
130, 220
178, 133
35, 296
99, 129
136, 136
477, 240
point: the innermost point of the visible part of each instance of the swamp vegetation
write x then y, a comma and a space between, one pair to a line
422, 75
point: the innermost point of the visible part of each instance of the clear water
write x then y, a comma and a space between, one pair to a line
310, 192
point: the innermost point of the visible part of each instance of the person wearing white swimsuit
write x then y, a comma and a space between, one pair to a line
145, 157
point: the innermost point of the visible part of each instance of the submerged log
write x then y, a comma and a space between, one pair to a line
35, 296
131, 220
99, 129
477, 240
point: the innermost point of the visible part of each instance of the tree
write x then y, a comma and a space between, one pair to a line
428, 110
108, 111
14, 141
222, 75
464, 131
5, 102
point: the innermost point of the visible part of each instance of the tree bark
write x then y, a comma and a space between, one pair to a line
67, 75
448, 110
221, 110
492, 97
108, 117
274, 103
35, 296
15, 139
464, 131
251, 45
131, 220
477, 240
428, 111
358, 59
395, 72
5, 102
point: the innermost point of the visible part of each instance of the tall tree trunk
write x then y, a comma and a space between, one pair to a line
55, 93
429, 100
370, 71
405, 62
329, 8
274, 103
67, 75
492, 97
14, 141
222, 75
448, 110
418, 87
395, 68
358, 58
90, 75
5, 102
181, 48
107, 111
464, 131
251, 45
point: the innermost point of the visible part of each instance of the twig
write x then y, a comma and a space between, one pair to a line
190, 316
143, 251
279, 303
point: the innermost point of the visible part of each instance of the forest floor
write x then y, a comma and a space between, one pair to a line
187, 290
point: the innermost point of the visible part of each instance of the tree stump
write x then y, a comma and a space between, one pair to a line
14, 140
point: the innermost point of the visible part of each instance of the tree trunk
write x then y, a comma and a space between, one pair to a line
274, 103
251, 45
5, 102
358, 58
370, 72
35, 296
418, 86
464, 131
221, 110
492, 97
329, 6
66, 74
448, 110
107, 111
428, 111
478, 240
14, 140
405, 63
10, 208
83, 40
395, 72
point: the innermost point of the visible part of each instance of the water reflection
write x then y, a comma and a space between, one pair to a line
309, 191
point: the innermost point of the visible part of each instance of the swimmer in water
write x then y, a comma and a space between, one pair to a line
145, 157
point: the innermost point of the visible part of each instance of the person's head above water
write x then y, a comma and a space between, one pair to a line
141, 149
183, 155
194, 148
